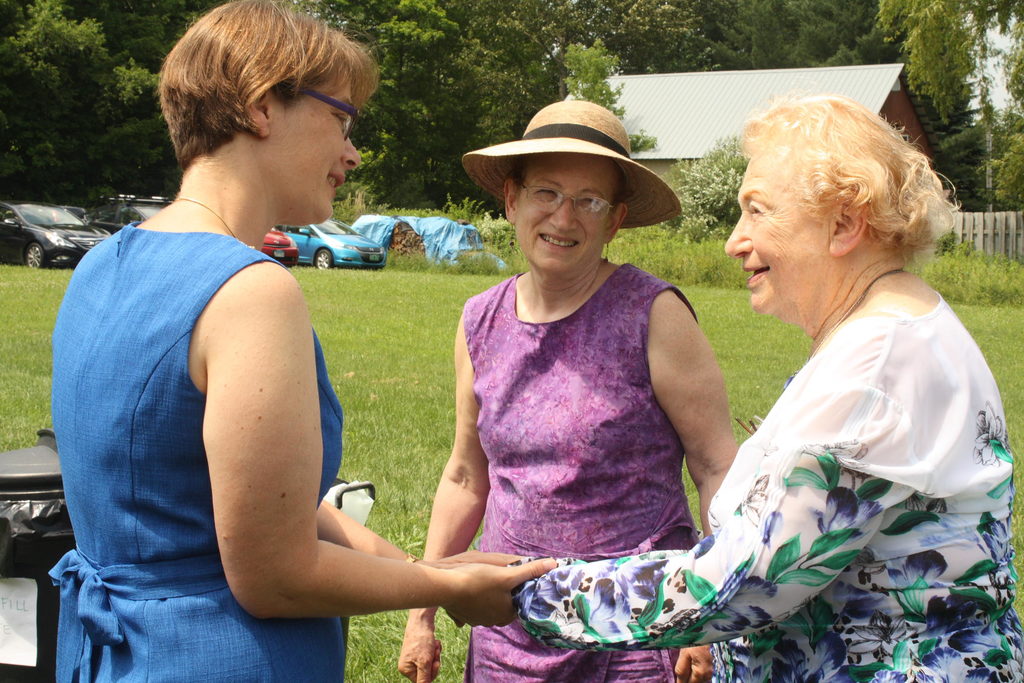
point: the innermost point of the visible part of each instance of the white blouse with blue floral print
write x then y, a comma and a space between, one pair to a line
862, 534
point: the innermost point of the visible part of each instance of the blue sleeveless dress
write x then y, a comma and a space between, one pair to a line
144, 597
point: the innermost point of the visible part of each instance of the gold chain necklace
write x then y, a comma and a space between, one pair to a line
217, 215
817, 344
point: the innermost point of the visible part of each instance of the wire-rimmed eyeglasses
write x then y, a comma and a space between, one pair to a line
549, 200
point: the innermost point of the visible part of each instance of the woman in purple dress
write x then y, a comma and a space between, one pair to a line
579, 385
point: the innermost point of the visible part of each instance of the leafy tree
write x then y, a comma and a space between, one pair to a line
754, 37
78, 113
650, 36
840, 33
948, 44
414, 130
589, 69
518, 75
773, 34
457, 76
44, 60
1008, 165
960, 156
79, 116
1015, 65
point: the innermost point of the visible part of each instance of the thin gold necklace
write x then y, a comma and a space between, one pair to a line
217, 215
817, 344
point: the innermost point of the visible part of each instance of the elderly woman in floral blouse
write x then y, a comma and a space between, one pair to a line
862, 533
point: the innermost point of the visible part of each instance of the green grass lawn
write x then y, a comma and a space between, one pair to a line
388, 339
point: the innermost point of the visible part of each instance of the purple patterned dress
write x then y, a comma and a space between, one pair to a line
582, 460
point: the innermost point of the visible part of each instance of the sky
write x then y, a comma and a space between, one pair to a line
994, 68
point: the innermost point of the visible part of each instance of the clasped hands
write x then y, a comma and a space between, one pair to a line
490, 605
488, 569
693, 665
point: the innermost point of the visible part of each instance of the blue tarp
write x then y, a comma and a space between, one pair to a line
443, 239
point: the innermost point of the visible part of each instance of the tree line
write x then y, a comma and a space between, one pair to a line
79, 117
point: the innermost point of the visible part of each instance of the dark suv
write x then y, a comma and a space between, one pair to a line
123, 209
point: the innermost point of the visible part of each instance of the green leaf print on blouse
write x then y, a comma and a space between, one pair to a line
976, 571
844, 507
799, 533
992, 444
828, 477
813, 623
788, 554
874, 489
908, 520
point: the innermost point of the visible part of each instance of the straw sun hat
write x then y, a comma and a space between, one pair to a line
583, 128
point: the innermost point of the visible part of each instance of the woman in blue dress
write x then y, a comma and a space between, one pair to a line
197, 426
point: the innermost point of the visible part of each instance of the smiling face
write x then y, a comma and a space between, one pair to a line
783, 247
564, 241
315, 157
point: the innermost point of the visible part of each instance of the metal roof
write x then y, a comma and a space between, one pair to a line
689, 112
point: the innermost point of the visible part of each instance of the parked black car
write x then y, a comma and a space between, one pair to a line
39, 234
123, 209
77, 210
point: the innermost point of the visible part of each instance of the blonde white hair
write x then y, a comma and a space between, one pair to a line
843, 156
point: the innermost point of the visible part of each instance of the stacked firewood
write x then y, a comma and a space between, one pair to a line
405, 240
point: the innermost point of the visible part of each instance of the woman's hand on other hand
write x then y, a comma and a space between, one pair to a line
486, 595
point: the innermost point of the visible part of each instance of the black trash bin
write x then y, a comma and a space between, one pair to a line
35, 532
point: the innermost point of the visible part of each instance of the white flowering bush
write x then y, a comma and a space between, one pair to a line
707, 190
497, 232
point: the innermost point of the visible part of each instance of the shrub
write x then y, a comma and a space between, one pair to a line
469, 210
674, 258
355, 201
707, 190
946, 243
498, 234
966, 276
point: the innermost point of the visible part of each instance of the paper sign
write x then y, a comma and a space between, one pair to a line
18, 621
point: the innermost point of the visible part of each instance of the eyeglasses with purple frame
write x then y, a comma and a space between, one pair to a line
352, 112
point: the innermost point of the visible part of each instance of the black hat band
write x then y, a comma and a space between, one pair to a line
579, 132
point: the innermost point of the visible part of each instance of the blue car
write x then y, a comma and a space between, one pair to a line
333, 243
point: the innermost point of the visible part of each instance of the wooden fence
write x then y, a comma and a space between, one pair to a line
997, 232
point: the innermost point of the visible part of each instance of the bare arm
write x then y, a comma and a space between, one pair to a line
252, 354
689, 387
335, 526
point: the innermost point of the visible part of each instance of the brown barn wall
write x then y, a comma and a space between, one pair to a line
899, 111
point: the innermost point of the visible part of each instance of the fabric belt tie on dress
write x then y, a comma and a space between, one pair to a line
86, 587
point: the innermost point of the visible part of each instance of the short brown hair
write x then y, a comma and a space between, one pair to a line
844, 155
236, 53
